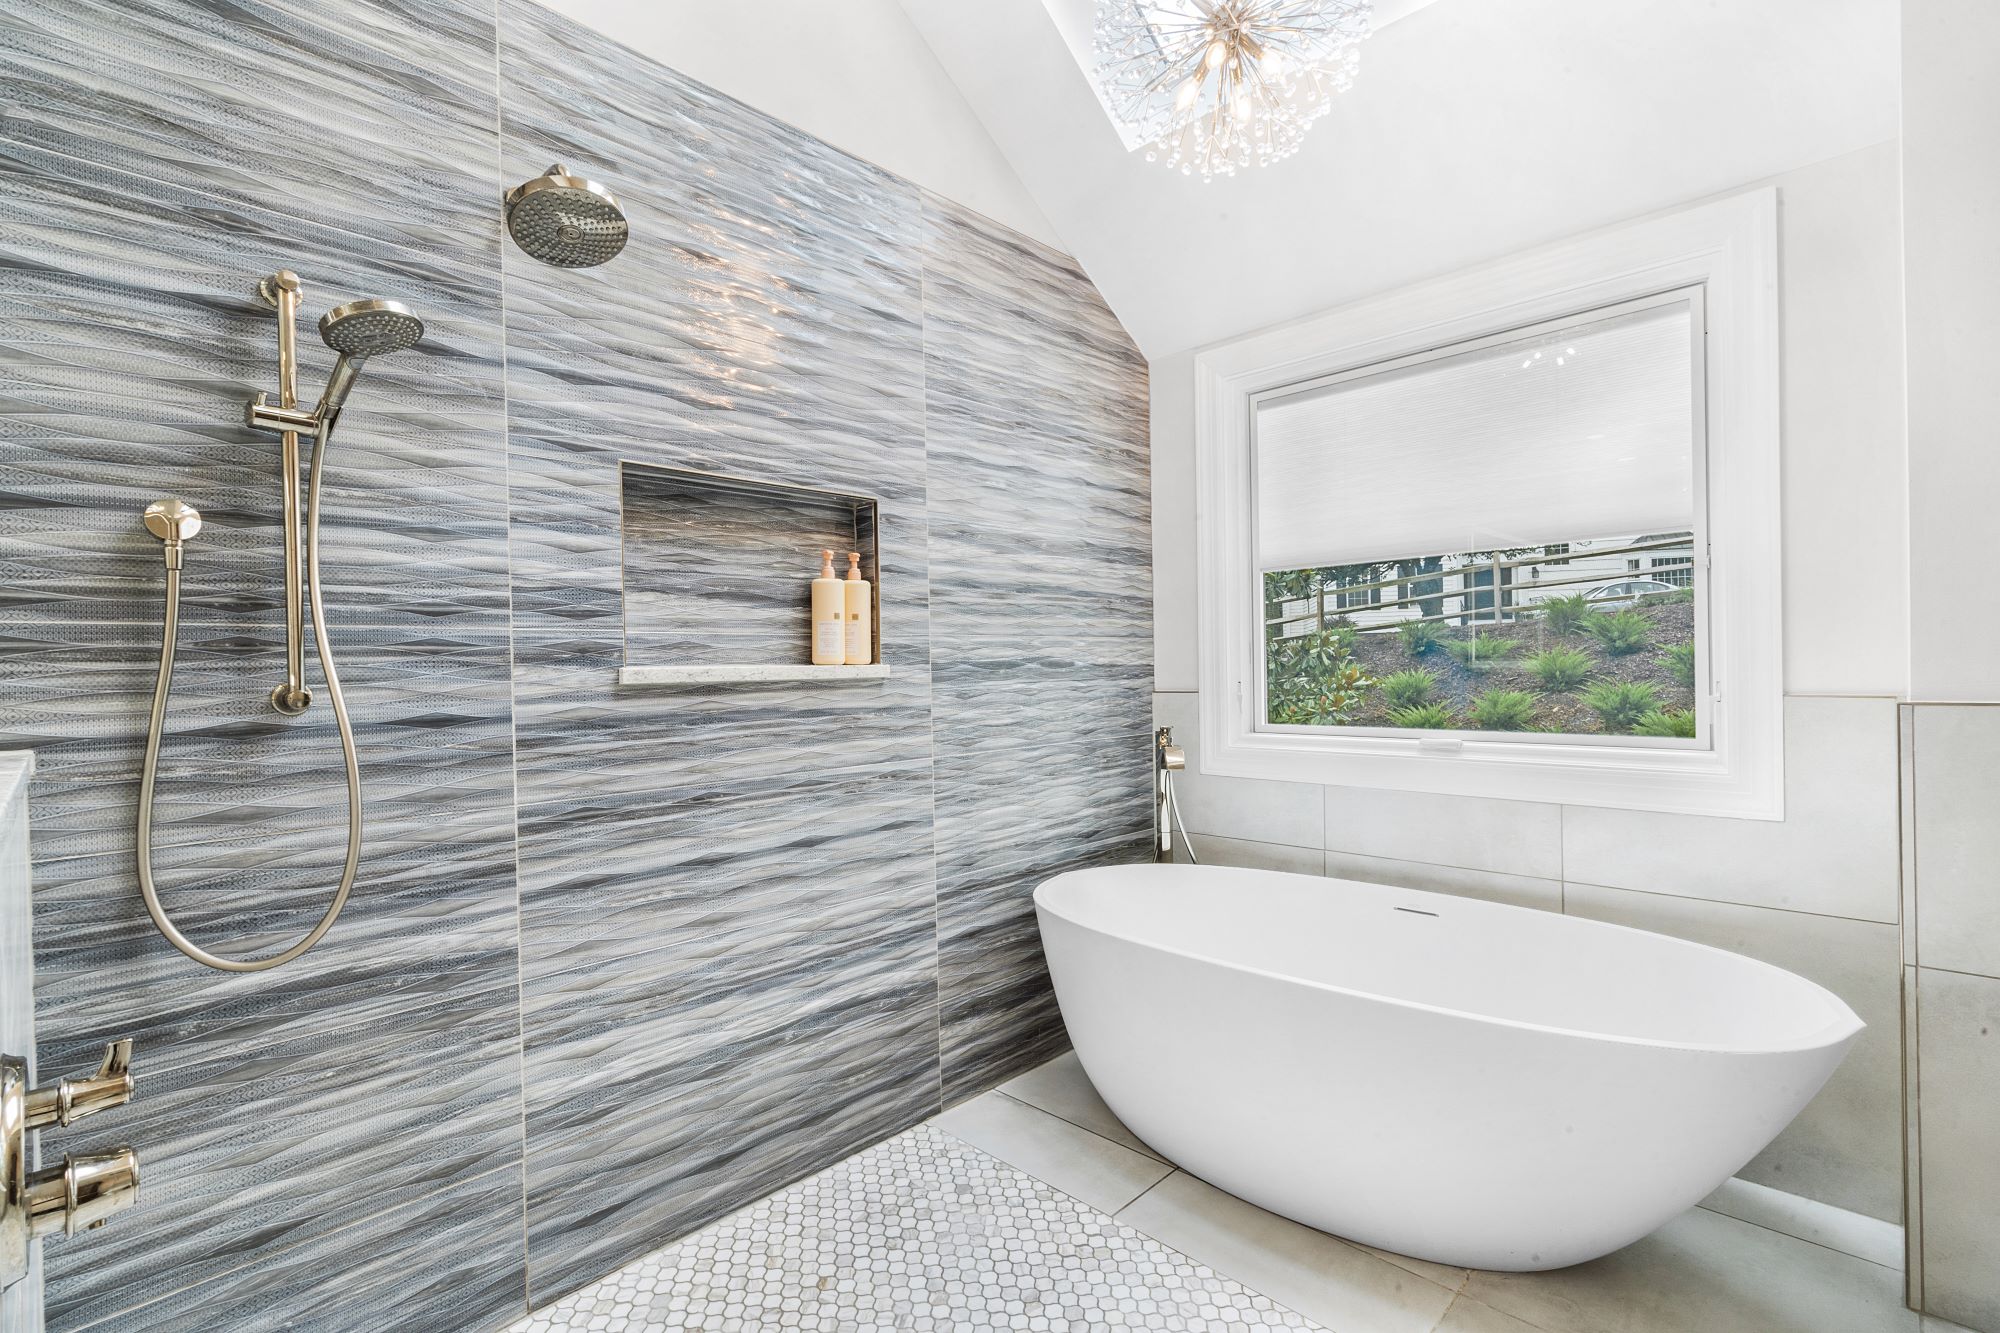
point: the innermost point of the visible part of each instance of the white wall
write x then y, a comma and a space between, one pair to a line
1951, 200
855, 73
1818, 892
1476, 128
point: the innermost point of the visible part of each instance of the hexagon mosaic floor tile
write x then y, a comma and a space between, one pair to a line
920, 1233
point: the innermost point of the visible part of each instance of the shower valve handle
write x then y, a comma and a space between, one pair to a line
71, 1099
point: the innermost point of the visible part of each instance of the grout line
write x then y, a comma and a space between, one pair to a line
1056, 1115
1804, 1240
513, 713
1726, 902
1128, 1205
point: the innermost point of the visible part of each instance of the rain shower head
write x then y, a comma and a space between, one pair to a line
359, 330
566, 220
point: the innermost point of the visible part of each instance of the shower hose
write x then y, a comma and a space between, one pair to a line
149, 771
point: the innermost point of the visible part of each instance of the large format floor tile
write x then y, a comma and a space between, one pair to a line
1095, 1170
1701, 1273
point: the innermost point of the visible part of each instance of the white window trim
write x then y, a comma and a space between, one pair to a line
1730, 248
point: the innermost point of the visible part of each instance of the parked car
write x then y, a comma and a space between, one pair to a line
1625, 592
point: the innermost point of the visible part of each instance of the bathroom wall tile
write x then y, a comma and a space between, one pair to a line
1835, 852
250, 1155
1955, 787
1520, 890
1844, 1148
1292, 814
768, 325
133, 336
724, 992
1035, 417
1081, 1164
1959, 1069
1469, 832
1704, 1272
1322, 1277
377, 116
451, 1261
1215, 851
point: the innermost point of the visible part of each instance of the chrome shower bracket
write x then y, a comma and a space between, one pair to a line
281, 291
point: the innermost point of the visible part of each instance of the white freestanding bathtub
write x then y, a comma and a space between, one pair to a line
1472, 1083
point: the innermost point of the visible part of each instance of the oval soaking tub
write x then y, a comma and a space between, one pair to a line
1476, 1084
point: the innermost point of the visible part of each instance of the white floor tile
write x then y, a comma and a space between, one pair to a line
1706, 1273
1863, 1237
1061, 1088
1075, 1161
1309, 1271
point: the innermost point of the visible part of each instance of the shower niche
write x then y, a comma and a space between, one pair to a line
717, 574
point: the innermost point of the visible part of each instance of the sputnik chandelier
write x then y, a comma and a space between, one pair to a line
1213, 85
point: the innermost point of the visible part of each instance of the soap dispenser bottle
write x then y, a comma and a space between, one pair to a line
829, 606
860, 644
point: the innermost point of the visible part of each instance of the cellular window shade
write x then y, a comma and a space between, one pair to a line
1585, 433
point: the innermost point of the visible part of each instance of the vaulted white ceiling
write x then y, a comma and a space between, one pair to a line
1477, 127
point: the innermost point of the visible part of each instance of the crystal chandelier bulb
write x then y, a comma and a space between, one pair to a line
1213, 85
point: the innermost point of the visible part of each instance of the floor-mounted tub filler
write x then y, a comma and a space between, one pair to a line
1477, 1084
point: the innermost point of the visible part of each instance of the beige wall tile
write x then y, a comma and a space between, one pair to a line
1955, 790
1846, 1147
1471, 832
1959, 1101
1289, 813
1835, 852
1521, 890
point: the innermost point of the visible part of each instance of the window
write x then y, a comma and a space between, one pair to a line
1468, 460
1510, 532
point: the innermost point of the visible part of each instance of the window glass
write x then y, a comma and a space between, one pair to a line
1493, 537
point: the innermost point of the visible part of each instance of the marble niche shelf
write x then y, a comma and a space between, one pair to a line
717, 574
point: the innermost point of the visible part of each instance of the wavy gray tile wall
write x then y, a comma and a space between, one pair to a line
719, 962
1042, 617
146, 180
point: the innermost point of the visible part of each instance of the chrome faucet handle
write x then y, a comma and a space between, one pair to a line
72, 1099
82, 1193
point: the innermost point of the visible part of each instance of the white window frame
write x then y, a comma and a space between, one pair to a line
1729, 249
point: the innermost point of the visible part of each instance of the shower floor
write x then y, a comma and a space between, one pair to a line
1033, 1208
922, 1232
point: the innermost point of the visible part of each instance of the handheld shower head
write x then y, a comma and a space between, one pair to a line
566, 220
359, 330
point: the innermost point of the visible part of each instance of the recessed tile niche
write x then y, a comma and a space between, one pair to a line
718, 576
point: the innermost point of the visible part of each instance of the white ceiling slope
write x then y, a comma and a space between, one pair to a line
1476, 128
854, 73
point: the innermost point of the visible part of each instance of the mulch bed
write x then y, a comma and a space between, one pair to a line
1381, 653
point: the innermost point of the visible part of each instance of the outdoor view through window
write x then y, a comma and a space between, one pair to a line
1498, 536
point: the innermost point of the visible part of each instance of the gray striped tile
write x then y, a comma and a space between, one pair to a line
716, 966
1036, 419
451, 1261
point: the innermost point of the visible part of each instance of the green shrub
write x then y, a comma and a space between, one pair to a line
1429, 717
1680, 661
1408, 689
1477, 652
1564, 614
1619, 632
1420, 636
1503, 710
1621, 703
1560, 668
1313, 680
1666, 722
